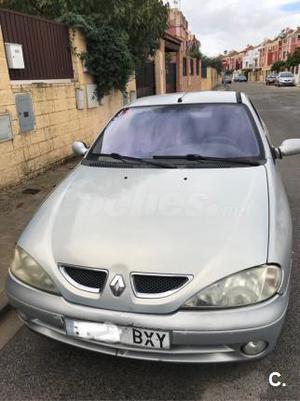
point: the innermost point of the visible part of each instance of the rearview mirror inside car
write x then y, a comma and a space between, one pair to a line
289, 147
79, 148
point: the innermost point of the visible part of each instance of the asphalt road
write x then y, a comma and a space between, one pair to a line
35, 368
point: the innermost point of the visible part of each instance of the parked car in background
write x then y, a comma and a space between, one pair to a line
240, 78
227, 79
270, 79
171, 240
285, 79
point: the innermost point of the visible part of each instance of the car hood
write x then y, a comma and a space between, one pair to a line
206, 222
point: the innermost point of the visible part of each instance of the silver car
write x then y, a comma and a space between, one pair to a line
171, 241
285, 79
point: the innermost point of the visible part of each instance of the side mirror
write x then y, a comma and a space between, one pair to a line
289, 147
79, 148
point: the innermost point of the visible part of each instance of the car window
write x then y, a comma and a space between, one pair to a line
286, 74
215, 130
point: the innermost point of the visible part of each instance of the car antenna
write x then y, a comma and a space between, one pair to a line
180, 99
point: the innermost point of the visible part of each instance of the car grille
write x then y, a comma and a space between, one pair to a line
84, 278
157, 285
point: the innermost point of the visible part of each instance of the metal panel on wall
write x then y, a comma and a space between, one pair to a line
5, 127
25, 111
45, 44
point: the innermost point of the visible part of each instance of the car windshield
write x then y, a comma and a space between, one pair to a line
286, 75
212, 130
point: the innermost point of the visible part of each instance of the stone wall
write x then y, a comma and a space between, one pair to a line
58, 122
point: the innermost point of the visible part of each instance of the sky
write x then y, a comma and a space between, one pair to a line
231, 24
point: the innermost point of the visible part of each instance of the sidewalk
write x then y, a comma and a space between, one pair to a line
17, 206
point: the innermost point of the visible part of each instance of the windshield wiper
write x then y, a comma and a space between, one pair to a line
128, 159
201, 158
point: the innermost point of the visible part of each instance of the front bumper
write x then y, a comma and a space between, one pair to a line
196, 336
286, 83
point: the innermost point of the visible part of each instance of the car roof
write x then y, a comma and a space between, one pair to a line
187, 98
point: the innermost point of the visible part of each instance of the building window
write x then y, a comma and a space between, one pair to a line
184, 66
198, 67
203, 71
192, 66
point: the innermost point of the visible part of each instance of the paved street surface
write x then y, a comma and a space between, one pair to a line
17, 206
35, 368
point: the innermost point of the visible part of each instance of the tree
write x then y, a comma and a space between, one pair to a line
143, 21
214, 62
293, 59
194, 48
120, 34
278, 66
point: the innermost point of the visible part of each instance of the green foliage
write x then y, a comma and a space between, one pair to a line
194, 49
120, 34
214, 62
43, 8
107, 58
293, 59
278, 66
145, 23
54, 9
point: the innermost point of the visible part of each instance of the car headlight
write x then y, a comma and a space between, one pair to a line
244, 288
26, 269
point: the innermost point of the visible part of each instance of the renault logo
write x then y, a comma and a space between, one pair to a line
117, 285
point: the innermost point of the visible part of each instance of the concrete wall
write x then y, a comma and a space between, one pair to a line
58, 122
211, 81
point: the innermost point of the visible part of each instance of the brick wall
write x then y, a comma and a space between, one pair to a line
191, 82
57, 120
184, 83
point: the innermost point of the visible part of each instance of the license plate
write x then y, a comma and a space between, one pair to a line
110, 333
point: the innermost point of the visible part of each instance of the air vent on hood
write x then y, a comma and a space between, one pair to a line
84, 278
157, 285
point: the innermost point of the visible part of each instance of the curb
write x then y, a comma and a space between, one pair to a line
4, 305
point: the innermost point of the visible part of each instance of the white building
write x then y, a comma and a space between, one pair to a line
251, 58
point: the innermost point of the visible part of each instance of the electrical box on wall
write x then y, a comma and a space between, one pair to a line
92, 99
80, 99
5, 127
14, 55
84, 67
125, 99
25, 111
132, 96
